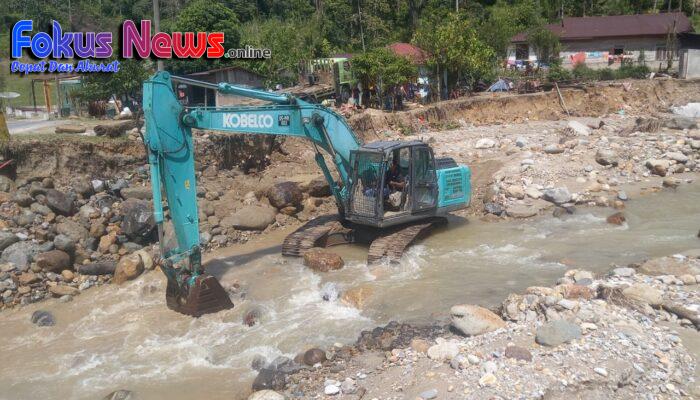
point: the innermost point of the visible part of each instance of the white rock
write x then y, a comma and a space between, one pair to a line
533, 192
331, 390
443, 351
579, 128
600, 371
485, 143
623, 272
266, 395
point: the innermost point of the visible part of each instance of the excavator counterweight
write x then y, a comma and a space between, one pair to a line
388, 194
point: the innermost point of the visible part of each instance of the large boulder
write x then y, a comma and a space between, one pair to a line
319, 187
43, 318
128, 268
21, 254
644, 293
63, 290
22, 199
323, 261
558, 195
680, 123
554, 333
314, 356
59, 202
53, 260
658, 167
578, 128
670, 266
485, 143
137, 192
607, 157
443, 350
120, 395
266, 395
83, 187
473, 320
285, 194
616, 219
255, 218
63, 242
6, 184
357, 296
138, 224
270, 379
7, 239
73, 230
25, 218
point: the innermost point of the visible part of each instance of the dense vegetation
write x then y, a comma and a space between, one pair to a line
465, 44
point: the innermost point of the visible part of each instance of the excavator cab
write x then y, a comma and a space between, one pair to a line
393, 182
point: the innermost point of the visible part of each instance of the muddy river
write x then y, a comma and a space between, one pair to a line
125, 338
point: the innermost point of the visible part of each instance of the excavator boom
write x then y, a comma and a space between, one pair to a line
171, 156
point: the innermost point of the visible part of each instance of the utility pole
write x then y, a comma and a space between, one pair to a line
156, 29
456, 5
362, 34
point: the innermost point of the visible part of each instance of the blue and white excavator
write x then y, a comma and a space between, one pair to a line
389, 193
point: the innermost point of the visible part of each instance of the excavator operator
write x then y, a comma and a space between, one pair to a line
395, 184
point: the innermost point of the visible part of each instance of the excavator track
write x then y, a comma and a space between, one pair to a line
391, 245
312, 234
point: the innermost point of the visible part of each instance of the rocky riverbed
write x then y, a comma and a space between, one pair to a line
59, 237
618, 335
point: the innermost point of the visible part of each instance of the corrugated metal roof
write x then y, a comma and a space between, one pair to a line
582, 28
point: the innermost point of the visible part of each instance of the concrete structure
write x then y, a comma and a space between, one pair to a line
604, 42
689, 63
198, 96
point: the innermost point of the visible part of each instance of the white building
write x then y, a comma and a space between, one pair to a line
603, 42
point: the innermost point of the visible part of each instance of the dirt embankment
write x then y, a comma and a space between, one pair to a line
588, 101
64, 157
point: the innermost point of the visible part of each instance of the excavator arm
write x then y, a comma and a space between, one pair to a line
171, 156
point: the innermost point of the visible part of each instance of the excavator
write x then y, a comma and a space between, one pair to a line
388, 193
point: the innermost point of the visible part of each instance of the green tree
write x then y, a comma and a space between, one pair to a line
456, 49
291, 44
506, 20
205, 16
382, 68
125, 83
544, 42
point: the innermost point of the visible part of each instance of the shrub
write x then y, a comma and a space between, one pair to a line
606, 74
633, 71
582, 71
558, 74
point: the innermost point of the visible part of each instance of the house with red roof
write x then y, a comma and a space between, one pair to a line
605, 41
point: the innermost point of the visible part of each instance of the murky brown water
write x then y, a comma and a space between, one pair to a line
125, 338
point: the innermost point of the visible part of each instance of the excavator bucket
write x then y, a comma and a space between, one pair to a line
203, 296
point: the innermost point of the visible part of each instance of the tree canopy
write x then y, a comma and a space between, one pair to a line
382, 67
465, 38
